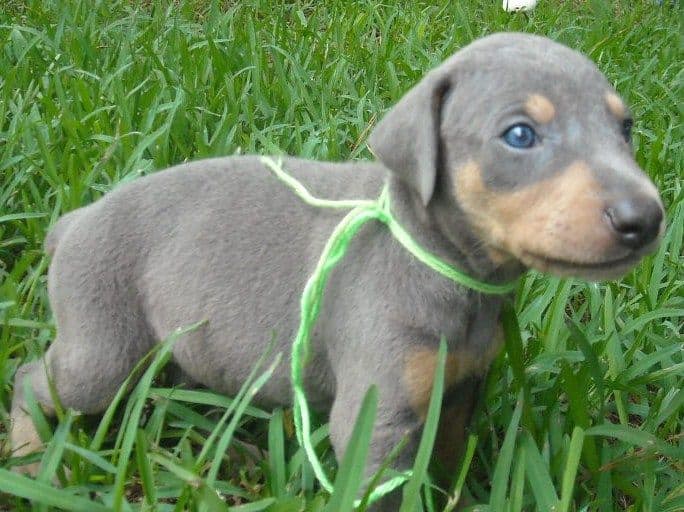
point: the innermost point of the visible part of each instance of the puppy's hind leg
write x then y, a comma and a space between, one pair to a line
96, 348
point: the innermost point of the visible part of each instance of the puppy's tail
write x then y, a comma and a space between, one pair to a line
57, 231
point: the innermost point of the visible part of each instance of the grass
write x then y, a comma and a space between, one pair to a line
583, 411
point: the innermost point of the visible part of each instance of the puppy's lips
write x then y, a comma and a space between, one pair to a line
604, 269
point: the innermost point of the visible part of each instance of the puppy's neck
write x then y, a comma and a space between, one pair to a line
442, 229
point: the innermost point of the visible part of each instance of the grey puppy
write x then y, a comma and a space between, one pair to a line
514, 153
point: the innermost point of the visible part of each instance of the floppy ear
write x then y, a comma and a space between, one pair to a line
407, 139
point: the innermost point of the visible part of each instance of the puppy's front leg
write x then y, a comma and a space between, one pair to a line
404, 390
395, 420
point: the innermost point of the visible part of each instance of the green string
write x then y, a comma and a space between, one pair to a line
310, 303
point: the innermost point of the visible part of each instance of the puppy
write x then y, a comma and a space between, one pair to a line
514, 153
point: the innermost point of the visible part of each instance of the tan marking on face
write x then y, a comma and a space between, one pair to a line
616, 105
540, 108
419, 372
560, 218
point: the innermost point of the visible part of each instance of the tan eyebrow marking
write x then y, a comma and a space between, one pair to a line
540, 108
615, 105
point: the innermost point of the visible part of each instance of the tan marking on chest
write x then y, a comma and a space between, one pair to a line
497, 342
419, 372
616, 105
540, 108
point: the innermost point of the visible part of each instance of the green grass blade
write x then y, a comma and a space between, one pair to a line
298, 460
635, 437
276, 454
516, 356
177, 469
258, 506
517, 483
21, 216
556, 316
227, 435
538, 476
138, 398
44, 493
36, 412
122, 392
92, 457
411, 496
457, 488
145, 468
374, 487
204, 397
570, 472
237, 403
502, 469
210, 501
55, 449
352, 468
577, 391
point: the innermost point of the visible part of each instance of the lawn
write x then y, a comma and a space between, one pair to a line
584, 411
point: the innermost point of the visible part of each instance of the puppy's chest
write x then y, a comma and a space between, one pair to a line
473, 339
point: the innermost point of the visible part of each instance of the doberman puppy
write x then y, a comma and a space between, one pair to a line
514, 153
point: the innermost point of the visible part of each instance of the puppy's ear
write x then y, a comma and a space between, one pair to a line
407, 139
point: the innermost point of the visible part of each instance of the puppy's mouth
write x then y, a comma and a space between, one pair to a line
598, 270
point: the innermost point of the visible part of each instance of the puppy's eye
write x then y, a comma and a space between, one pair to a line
520, 136
627, 130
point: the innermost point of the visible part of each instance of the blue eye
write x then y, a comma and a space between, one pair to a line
521, 136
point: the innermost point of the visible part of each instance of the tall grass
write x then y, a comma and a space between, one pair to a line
583, 411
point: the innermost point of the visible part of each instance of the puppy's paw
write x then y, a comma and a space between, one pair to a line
24, 440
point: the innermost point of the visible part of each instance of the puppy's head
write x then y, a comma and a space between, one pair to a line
528, 142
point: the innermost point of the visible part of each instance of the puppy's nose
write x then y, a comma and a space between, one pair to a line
636, 220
